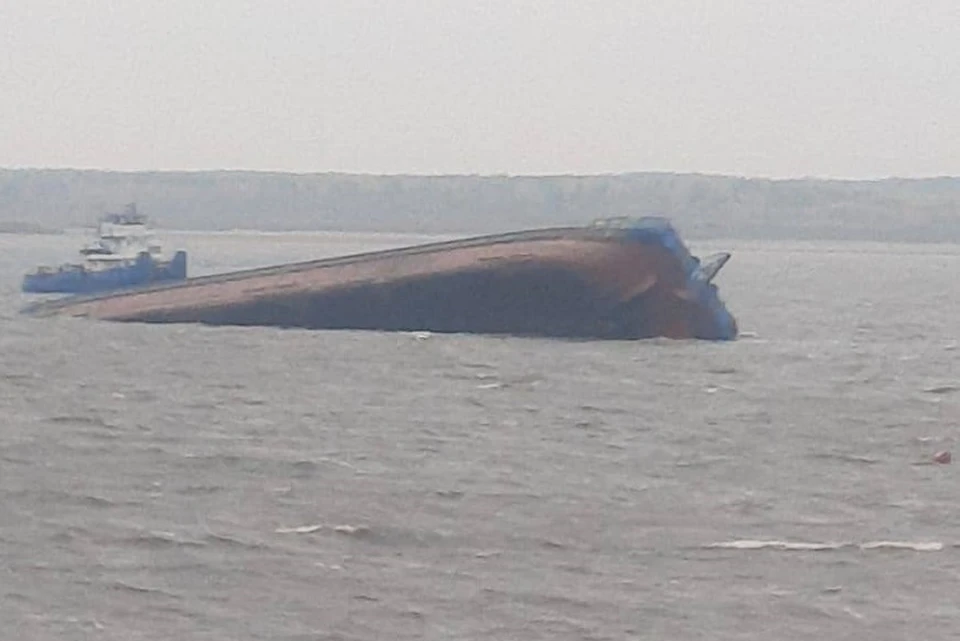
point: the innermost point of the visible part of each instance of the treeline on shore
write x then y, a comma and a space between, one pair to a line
701, 206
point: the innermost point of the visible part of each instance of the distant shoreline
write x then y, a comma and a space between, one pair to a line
490, 175
21, 227
701, 206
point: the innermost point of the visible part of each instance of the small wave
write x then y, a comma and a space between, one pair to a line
229, 386
197, 490
554, 544
722, 371
943, 389
101, 435
203, 405
922, 546
68, 533
216, 458
387, 536
353, 530
603, 410
230, 541
74, 419
847, 458
300, 529
157, 539
357, 530
472, 376
95, 501
801, 546
20, 380
140, 589
476, 365
701, 461
62, 497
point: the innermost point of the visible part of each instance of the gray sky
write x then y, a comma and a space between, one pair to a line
841, 88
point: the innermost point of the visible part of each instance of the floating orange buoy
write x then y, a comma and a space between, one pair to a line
942, 457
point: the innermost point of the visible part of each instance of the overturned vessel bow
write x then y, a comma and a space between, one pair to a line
621, 279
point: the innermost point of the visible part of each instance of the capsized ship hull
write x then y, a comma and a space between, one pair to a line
79, 279
624, 279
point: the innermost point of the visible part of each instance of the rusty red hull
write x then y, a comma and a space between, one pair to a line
601, 282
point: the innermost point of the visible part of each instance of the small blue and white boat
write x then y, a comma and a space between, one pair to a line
124, 254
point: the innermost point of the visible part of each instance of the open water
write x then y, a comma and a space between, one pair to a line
185, 482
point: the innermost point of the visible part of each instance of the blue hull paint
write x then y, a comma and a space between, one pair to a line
655, 230
75, 279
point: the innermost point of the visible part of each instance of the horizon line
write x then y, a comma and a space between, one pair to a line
608, 174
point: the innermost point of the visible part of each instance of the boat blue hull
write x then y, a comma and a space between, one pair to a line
77, 280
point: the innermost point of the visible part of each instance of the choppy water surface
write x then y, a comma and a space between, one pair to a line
182, 482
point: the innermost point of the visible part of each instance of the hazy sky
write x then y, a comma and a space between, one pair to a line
843, 88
